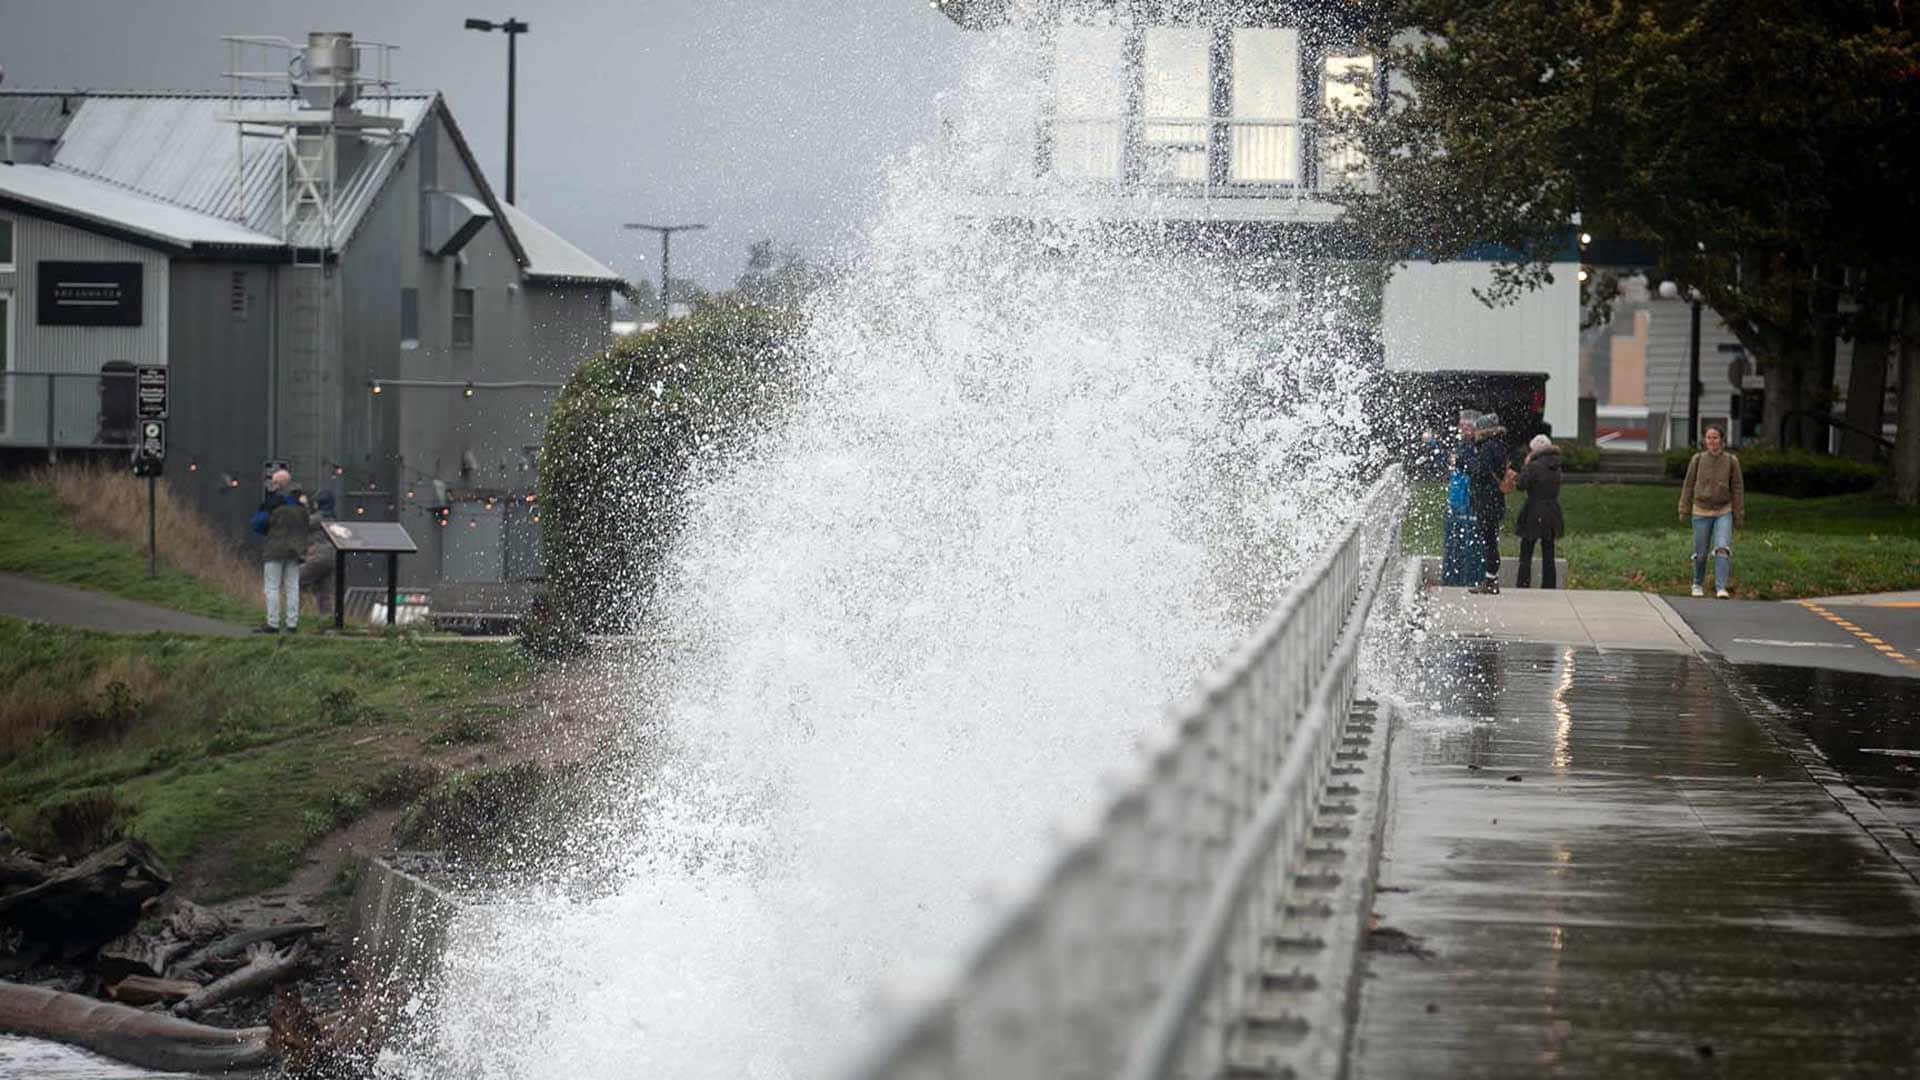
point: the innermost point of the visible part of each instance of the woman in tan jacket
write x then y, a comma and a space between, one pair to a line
1714, 497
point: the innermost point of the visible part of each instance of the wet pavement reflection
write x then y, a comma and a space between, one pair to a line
1866, 726
1604, 864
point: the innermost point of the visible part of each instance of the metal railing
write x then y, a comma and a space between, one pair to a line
68, 410
1220, 155
1139, 951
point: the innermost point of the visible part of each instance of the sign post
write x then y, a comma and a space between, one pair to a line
150, 460
150, 454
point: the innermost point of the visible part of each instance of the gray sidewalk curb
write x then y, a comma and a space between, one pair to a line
1679, 626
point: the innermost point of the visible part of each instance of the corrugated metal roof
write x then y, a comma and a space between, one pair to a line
550, 256
35, 121
175, 148
105, 204
204, 183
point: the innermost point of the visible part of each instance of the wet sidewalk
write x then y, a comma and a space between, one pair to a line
1607, 864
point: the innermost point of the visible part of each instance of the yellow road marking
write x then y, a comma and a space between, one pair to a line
1884, 649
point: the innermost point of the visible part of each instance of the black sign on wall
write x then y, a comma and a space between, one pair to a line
89, 293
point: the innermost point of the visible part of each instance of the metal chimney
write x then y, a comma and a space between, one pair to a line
328, 74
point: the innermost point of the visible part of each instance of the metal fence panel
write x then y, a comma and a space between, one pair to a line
1140, 949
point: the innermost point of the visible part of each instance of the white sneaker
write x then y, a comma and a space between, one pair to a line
1721, 594
1698, 591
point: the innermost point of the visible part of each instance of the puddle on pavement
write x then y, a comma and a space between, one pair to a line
1867, 726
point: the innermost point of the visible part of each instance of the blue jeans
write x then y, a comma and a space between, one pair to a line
1715, 535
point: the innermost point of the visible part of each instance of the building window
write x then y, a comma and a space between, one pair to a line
1176, 102
6, 244
1347, 86
1090, 102
463, 318
1265, 140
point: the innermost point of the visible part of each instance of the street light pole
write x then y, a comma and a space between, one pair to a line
513, 28
666, 261
1693, 376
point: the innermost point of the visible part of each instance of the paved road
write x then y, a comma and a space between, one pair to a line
1868, 638
25, 598
1622, 863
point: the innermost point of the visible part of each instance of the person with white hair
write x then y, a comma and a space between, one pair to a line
1539, 521
282, 518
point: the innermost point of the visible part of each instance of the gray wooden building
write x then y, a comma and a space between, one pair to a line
329, 280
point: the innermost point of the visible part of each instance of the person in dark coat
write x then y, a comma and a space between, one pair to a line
1540, 520
282, 519
1462, 555
1487, 474
317, 565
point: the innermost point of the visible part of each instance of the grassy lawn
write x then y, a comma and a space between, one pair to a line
39, 538
1629, 536
239, 752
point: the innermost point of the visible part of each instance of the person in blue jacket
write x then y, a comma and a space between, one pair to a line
283, 519
1488, 485
1462, 557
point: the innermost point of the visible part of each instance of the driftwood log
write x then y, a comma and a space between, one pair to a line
265, 969
160, 940
145, 990
21, 870
78, 908
137, 953
234, 949
148, 1040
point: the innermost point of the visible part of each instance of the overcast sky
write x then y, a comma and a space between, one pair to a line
763, 118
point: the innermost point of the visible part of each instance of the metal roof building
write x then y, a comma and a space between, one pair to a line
329, 280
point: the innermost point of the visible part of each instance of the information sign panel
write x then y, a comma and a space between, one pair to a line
151, 381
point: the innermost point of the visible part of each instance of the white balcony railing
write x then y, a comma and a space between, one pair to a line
1264, 158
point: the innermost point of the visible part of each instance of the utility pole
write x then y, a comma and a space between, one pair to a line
666, 261
513, 28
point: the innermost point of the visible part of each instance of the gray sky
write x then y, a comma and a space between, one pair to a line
764, 118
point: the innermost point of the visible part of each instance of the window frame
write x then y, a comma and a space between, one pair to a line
8, 392
456, 320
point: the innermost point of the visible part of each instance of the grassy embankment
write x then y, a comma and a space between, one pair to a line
1630, 536
228, 754
87, 527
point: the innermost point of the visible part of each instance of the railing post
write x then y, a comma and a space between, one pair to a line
53, 390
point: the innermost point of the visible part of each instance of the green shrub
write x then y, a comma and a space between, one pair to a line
1797, 474
633, 429
106, 716
1575, 458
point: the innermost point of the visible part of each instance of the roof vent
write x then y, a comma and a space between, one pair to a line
326, 73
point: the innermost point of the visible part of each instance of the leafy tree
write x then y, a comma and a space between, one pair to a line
1761, 149
633, 429
777, 278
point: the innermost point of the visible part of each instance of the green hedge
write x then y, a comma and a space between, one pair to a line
631, 431
1575, 458
1798, 474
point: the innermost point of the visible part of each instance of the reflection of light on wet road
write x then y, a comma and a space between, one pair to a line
1562, 715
